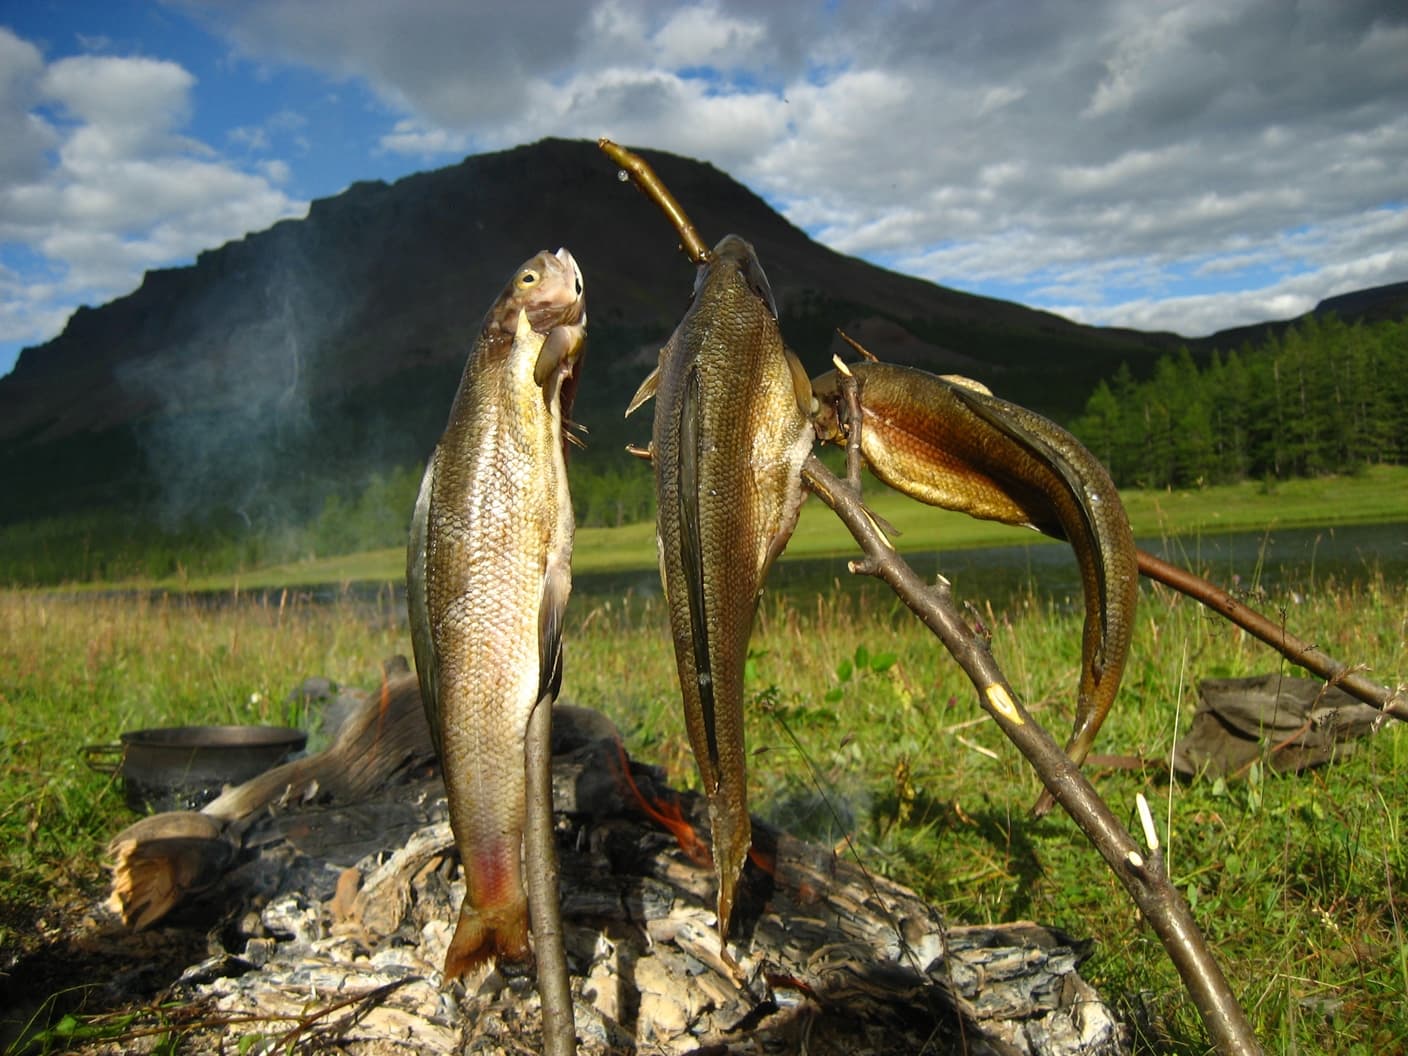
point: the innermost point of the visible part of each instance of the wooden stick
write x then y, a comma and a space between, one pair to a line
644, 177
544, 903
1300, 652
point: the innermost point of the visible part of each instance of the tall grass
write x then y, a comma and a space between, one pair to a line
859, 725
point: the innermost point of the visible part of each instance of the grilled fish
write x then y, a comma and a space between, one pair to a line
487, 580
948, 442
731, 432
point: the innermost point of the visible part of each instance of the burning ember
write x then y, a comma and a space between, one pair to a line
665, 813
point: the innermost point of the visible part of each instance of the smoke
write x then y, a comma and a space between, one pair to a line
229, 376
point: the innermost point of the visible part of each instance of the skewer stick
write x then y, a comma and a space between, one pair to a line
640, 173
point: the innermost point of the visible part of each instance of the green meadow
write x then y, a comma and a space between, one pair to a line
859, 725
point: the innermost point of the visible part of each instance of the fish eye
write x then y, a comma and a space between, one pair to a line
528, 277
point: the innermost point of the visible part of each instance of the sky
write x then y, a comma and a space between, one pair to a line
1166, 166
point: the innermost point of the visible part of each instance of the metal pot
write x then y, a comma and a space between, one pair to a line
185, 767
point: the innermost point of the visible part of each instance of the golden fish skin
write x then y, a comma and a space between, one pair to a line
488, 575
730, 434
949, 442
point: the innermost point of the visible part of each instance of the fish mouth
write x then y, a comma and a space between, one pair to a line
570, 264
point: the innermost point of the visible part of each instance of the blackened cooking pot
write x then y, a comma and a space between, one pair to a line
185, 767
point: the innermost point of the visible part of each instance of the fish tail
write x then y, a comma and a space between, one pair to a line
1093, 700
498, 932
733, 836
1093, 704
494, 915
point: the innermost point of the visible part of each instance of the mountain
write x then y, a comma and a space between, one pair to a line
286, 364
1371, 305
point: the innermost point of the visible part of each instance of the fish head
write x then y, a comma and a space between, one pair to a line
548, 288
544, 303
732, 268
732, 284
891, 396
882, 391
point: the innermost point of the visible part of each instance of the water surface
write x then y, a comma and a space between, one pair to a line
1278, 562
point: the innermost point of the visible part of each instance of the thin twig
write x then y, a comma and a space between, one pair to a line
1156, 897
644, 177
861, 350
1302, 653
1291, 740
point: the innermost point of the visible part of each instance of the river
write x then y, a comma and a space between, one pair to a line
1279, 562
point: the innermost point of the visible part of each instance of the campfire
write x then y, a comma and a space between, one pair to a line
334, 882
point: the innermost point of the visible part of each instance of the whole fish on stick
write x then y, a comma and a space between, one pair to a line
488, 575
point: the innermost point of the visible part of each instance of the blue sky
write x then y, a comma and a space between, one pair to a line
1180, 166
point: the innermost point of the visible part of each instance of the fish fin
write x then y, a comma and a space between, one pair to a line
422, 645
500, 933
995, 412
645, 392
1094, 701
886, 529
692, 559
561, 344
731, 835
801, 384
557, 584
966, 383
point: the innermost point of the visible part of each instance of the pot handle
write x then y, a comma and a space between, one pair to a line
103, 758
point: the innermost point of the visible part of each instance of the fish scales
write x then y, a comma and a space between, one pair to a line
488, 576
730, 434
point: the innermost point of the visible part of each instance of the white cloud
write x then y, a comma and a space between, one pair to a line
1332, 261
652, 107
138, 96
706, 36
27, 305
1118, 162
253, 138
282, 127
109, 185
412, 137
275, 170
919, 129
25, 137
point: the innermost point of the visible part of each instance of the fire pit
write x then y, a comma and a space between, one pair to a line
340, 882
185, 767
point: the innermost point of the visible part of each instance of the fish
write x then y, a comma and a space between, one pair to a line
488, 576
731, 430
949, 442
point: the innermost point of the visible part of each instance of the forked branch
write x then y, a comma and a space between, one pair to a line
1144, 878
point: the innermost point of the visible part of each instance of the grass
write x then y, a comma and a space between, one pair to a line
1378, 495
858, 723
